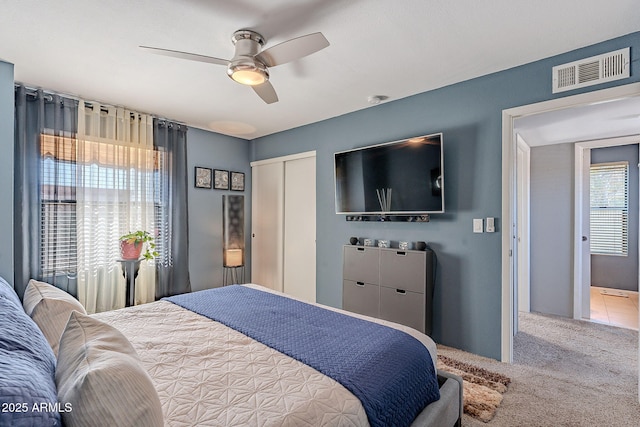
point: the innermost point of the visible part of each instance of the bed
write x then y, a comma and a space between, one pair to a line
183, 366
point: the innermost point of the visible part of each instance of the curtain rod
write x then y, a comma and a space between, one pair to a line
32, 91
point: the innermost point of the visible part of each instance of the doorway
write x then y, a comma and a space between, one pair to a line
509, 200
548, 210
609, 258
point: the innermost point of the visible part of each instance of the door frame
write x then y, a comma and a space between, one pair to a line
582, 262
509, 210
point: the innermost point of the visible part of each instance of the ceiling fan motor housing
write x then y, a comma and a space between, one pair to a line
248, 44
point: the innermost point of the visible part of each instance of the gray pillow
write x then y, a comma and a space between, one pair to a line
99, 374
50, 308
27, 368
7, 291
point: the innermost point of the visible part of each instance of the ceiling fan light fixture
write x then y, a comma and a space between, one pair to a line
248, 72
249, 77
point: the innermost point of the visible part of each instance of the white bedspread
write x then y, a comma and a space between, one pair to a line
207, 374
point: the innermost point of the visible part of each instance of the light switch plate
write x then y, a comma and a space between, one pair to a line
478, 225
491, 225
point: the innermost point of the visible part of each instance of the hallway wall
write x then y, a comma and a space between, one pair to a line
552, 170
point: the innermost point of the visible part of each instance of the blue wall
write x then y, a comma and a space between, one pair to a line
468, 284
215, 151
6, 170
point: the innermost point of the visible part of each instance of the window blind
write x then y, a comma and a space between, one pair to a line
58, 238
58, 234
609, 194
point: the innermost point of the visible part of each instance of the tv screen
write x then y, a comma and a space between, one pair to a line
397, 178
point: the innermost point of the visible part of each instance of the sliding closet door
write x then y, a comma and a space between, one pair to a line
267, 222
283, 216
300, 228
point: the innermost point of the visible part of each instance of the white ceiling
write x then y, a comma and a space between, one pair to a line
89, 49
585, 123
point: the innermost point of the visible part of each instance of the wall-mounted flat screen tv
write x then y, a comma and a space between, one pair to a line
396, 178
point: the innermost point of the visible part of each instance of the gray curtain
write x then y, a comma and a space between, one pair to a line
173, 264
37, 112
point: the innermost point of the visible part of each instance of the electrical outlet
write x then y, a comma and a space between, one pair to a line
478, 225
490, 225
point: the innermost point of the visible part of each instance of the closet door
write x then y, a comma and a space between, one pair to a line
300, 228
283, 216
267, 224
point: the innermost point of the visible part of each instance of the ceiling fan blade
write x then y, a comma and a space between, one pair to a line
266, 92
293, 49
185, 55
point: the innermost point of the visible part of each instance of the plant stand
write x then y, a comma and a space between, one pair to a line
130, 269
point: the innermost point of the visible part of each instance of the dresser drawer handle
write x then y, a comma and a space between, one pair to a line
361, 284
401, 253
401, 291
360, 249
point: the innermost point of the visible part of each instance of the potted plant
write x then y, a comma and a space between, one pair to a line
131, 245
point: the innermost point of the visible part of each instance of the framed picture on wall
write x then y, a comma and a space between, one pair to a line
220, 179
202, 177
237, 181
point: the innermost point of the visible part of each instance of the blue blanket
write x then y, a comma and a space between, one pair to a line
388, 370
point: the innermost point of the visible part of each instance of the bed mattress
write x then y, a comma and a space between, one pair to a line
208, 374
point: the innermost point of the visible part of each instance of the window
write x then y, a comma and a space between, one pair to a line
58, 236
609, 194
64, 178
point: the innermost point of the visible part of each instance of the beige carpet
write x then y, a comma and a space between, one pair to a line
567, 373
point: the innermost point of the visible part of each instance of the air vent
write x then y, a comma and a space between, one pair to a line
591, 71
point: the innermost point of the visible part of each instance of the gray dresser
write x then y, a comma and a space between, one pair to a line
390, 284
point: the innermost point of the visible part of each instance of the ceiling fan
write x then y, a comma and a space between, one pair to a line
250, 65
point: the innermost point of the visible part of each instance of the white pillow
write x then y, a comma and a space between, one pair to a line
50, 308
99, 374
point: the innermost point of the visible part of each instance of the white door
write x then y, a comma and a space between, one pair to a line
522, 194
585, 236
300, 228
283, 216
267, 223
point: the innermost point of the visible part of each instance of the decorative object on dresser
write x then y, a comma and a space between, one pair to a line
421, 246
383, 243
390, 284
353, 240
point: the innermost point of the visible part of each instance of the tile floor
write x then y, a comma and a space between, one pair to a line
614, 307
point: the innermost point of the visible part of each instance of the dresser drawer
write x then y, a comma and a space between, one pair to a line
361, 264
403, 269
362, 298
404, 307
